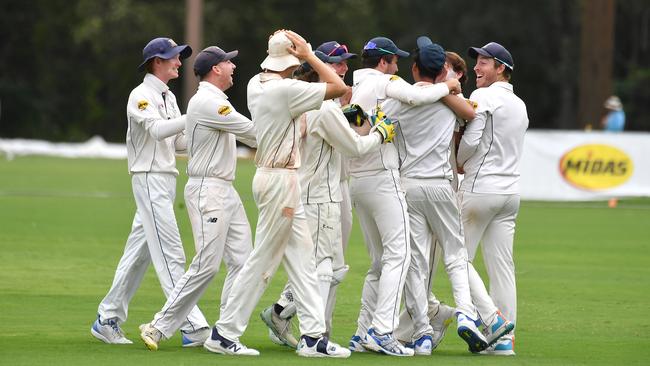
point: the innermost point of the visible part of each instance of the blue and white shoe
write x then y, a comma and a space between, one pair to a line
503, 347
219, 344
195, 338
385, 343
108, 331
320, 347
499, 327
469, 332
356, 344
423, 345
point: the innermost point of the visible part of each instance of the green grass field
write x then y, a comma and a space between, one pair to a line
583, 277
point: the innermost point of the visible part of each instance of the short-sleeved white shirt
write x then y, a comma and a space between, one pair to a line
212, 127
150, 103
276, 105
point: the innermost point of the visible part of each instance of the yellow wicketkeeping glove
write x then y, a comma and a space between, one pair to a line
386, 128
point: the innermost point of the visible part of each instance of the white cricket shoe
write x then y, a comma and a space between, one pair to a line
195, 338
385, 343
150, 336
219, 344
503, 347
356, 344
320, 347
423, 345
468, 331
500, 326
108, 331
440, 321
281, 328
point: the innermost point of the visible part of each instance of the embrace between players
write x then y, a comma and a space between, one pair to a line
390, 149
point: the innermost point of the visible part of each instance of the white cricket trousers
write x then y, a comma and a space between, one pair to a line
489, 219
154, 238
381, 209
221, 230
282, 235
434, 214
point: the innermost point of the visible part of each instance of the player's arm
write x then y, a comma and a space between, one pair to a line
225, 118
180, 143
335, 87
142, 110
471, 137
460, 106
413, 95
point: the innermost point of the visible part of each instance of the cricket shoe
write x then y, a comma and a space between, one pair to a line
281, 328
468, 331
219, 344
422, 346
108, 331
499, 327
195, 338
320, 347
356, 344
385, 343
503, 347
150, 336
440, 321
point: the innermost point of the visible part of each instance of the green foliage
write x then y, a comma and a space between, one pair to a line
581, 274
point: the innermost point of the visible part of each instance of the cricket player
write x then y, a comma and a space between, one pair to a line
328, 136
489, 153
154, 134
219, 223
426, 174
276, 102
379, 200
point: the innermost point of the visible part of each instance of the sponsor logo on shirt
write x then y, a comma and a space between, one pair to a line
394, 77
596, 167
224, 110
142, 105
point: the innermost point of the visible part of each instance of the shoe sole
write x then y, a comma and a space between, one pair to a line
271, 326
222, 351
377, 348
507, 329
321, 355
475, 343
498, 353
153, 346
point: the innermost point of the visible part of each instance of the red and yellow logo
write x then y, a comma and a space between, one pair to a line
596, 167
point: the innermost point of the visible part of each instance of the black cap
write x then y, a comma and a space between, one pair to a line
337, 52
380, 46
432, 55
210, 57
495, 51
164, 48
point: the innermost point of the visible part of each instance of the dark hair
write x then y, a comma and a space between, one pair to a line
149, 65
306, 74
457, 64
425, 71
373, 61
507, 73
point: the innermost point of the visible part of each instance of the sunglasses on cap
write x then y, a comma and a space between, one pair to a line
338, 50
373, 46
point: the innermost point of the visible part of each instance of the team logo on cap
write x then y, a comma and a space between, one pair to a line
142, 105
224, 110
596, 167
172, 43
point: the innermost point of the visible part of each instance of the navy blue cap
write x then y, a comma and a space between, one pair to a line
495, 51
305, 66
209, 57
380, 46
432, 55
336, 51
164, 48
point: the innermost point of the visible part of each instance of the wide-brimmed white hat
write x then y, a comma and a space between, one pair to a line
279, 59
613, 103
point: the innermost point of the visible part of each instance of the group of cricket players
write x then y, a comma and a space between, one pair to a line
392, 150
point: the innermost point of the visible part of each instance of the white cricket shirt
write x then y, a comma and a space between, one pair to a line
212, 127
276, 104
328, 135
492, 144
424, 137
151, 104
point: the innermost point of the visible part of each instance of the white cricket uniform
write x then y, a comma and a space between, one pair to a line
282, 234
153, 136
426, 173
328, 136
490, 151
379, 201
219, 223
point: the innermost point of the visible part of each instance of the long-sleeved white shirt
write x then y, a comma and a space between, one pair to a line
155, 128
213, 125
328, 135
370, 88
491, 147
424, 137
